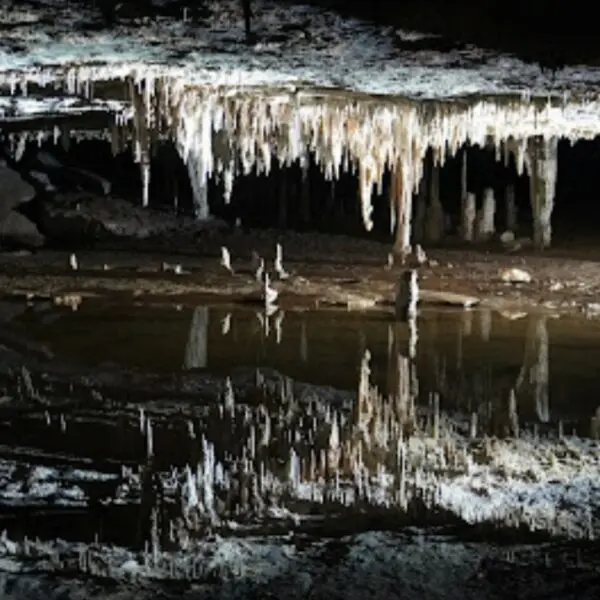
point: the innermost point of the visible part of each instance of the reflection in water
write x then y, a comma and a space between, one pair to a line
196, 348
420, 439
226, 324
485, 321
463, 356
271, 314
303, 342
536, 366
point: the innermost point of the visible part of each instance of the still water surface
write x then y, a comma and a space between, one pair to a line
459, 353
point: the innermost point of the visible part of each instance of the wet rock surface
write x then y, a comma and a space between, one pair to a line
355, 273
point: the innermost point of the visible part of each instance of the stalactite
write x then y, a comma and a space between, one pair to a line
305, 191
142, 127
341, 133
402, 217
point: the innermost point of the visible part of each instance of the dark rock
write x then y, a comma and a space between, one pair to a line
14, 190
17, 230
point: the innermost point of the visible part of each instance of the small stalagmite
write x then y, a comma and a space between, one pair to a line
226, 260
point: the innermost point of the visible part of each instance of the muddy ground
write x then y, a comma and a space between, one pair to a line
325, 270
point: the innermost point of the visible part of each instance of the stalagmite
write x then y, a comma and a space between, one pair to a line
542, 164
468, 214
278, 263
420, 209
305, 191
486, 226
435, 213
511, 208
270, 294
413, 337
401, 216
260, 269
226, 260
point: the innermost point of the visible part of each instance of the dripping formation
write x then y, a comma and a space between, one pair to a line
224, 132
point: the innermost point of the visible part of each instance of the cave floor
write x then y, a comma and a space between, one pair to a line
326, 270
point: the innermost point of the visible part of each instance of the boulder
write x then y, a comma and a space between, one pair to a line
14, 190
17, 229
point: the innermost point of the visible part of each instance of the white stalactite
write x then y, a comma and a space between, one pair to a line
341, 132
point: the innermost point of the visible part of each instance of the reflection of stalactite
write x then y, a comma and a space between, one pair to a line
513, 415
595, 425
485, 323
467, 322
536, 366
196, 348
303, 342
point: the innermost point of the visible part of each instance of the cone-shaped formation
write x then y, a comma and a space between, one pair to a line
226, 131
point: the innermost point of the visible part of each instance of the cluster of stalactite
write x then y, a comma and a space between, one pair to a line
224, 131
